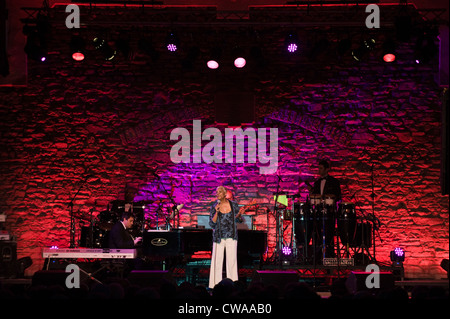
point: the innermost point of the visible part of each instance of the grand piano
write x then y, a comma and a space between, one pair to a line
186, 242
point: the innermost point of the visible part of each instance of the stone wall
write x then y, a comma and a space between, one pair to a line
93, 128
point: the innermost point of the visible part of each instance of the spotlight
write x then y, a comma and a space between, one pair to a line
239, 60
365, 46
397, 255
286, 250
425, 49
103, 47
212, 64
34, 47
389, 51
172, 42
291, 43
77, 46
213, 60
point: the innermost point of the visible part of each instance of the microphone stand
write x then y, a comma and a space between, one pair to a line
278, 225
72, 217
170, 198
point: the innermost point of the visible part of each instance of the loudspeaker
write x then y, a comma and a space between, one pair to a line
277, 278
356, 281
150, 278
8, 258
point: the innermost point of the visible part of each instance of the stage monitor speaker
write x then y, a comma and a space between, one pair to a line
8, 258
150, 278
276, 278
234, 107
356, 281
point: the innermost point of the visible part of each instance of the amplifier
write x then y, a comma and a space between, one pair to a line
341, 262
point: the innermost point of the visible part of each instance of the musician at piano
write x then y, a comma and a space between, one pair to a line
224, 215
120, 236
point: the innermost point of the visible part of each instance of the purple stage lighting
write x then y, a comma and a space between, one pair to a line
172, 42
286, 250
292, 47
212, 64
397, 255
239, 62
291, 43
171, 47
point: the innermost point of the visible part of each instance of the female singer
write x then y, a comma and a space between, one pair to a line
223, 216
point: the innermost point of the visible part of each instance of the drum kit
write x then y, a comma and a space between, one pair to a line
94, 233
323, 228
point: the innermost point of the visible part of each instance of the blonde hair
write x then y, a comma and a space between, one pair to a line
221, 187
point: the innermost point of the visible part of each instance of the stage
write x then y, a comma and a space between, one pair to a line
324, 123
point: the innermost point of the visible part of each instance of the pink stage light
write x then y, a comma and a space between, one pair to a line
212, 64
292, 47
389, 57
78, 56
239, 62
171, 47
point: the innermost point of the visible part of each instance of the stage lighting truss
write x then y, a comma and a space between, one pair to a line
301, 19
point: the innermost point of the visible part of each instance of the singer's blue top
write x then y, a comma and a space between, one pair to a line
225, 227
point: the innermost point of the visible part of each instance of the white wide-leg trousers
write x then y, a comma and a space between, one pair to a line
229, 245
